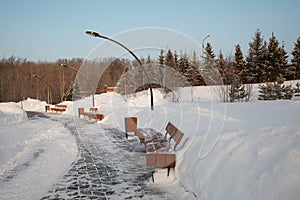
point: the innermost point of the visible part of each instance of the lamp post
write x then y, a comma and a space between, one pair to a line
90, 86
203, 47
95, 34
48, 84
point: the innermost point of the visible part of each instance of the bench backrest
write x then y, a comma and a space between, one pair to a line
93, 109
80, 111
174, 133
130, 124
47, 108
60, 106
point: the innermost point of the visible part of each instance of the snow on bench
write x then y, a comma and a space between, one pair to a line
159, 150
57, 108
92, 114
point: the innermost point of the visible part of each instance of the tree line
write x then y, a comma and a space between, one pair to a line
266, 61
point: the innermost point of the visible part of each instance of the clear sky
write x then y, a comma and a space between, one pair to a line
50, 29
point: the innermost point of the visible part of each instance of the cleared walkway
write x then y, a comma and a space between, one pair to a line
108, 166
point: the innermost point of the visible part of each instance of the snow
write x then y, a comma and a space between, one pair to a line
33, 154
10, 113
229, 151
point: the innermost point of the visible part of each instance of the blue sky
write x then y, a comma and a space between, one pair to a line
52, 29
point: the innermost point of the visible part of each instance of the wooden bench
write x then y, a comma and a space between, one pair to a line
130, 125
159, 150
57, 108
92, 114
96, 116
47, 108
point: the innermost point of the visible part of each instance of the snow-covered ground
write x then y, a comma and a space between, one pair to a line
34, 154
229, 151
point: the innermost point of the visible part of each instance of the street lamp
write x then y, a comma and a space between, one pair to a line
49, 86
95, 34
90, 85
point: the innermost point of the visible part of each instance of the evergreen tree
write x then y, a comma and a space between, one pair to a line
148, 60
239, 77
276, 61
255, 62
283, 60
169, 59
237, 91
221, 65
295, 62
287, 92
183, 65
239, 65
161, 57
274, 91
209, 52
264, 56
270, 91
195, 70
297, 90
161, 61
195, 61
176, 60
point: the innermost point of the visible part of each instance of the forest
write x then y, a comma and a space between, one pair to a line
53, 82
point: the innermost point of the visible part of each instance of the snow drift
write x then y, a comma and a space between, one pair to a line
229, 151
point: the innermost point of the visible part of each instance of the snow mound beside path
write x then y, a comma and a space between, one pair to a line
11, 113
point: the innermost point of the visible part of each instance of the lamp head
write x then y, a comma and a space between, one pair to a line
92, 33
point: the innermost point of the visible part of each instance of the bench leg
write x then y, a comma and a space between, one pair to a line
168, 171
126, 135
152, 176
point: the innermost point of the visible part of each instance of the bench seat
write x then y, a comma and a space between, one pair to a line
58, 109
91, 115
159, 150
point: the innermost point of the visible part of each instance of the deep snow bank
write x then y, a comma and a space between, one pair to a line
11, 113
33, 105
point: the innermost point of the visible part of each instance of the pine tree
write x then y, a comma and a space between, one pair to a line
221, 65
283, 61
209, 52
287, 92
239, 77
276, 61
274, 91
161, 61
270, 91
148, 60
297, 90
264, 56
176, 60
255, 61
169, 59
295, 62
183, 65
161, 57
239, 65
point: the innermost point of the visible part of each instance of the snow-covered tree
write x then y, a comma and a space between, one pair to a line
209, 53
169, 59
221, 65
295, 62
297, 90
255, 60
287, 92
277, 60
269, 91
274, 91
239, 65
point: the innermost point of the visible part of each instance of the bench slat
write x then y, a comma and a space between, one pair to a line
161, 159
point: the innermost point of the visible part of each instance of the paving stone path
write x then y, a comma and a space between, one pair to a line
108, 166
